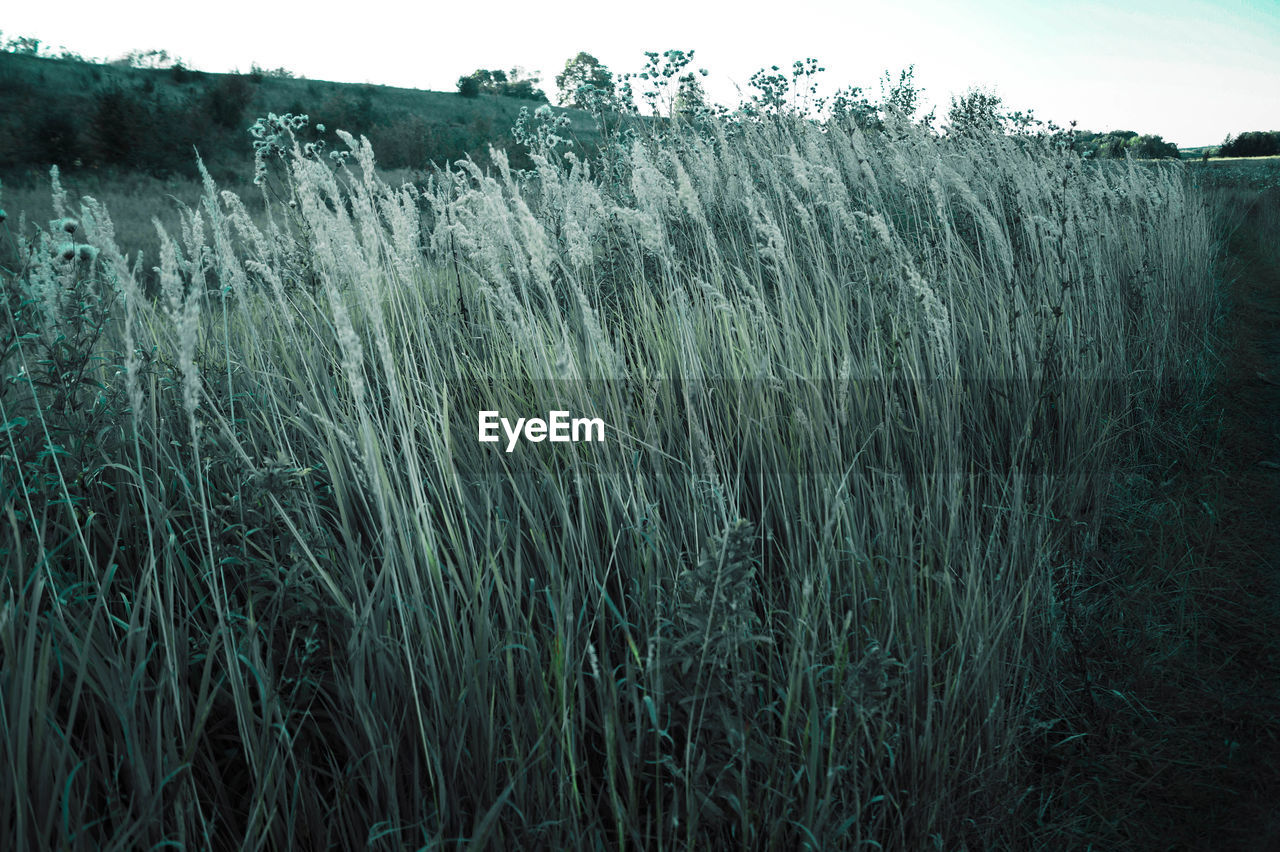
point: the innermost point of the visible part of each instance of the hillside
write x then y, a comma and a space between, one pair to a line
93, 116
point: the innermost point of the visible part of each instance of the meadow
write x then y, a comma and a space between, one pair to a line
826, 584
1252, 173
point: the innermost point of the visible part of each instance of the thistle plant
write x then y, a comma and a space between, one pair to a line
540, 132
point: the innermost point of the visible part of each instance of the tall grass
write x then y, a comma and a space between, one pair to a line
864, 395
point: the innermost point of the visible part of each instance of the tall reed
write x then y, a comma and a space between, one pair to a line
863, 393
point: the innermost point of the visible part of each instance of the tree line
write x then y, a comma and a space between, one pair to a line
1253, 143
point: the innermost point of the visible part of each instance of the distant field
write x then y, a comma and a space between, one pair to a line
1250, 172
136, 202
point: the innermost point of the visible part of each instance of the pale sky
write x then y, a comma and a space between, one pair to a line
1189, 70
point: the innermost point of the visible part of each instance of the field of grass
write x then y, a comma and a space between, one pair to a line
137, 201
1249, 173
828, 582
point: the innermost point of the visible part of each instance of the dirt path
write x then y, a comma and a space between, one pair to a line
1242, 699
1213, 750
1182, 744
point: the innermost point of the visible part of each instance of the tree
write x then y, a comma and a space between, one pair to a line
902, 97
119, 125
258, 72
524, 86
148, 59
1251, 143
1119, 143
518, 84
23, 46
469, 86
583, 70
850, 104
225, 100
975, 110
1152, 147
690, 97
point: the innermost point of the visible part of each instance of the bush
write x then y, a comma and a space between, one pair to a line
58, 140
1153, 148
227, 100
1119, 143
348, 109
118, 127
513, 84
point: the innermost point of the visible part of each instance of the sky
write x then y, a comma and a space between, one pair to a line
1192, 71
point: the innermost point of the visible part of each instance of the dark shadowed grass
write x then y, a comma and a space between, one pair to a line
1180, 677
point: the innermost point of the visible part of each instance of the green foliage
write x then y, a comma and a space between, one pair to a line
1153, 147
902, 96
1120, 143
851, 107
412, 141
583, 70
351, 108
22, 46
979, 111
181, 74
56, 402
152, 59
119, 126
794, 93
691, 97
976, 110
540, 132
261, 73
58, 138
658, 83
513, 84
1252, 143
226, 100
28, 46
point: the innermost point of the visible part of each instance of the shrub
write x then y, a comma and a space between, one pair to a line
258, 73
58, 140
118, 127
516, 84
1119, 143
227, 99
349, 109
